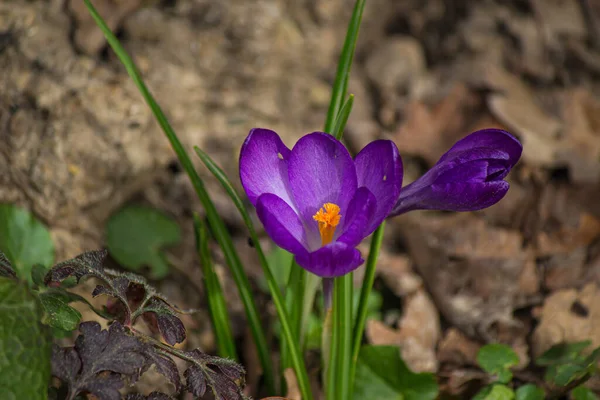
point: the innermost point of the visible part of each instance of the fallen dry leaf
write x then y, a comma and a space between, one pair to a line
293, 392
580, 146
513, 103
471, 270
397, 272
429, 132
392, 67
417, 334
564, 222
568, 315
457, 349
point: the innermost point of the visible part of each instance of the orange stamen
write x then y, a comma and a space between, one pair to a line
328, 218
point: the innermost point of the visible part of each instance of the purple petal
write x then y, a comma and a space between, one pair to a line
379, 169
461, 196
482, 170
359, 215
263, 165
334, 259
320, 171
281, 223
488, 138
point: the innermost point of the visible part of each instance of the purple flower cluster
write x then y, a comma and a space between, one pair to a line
318, 203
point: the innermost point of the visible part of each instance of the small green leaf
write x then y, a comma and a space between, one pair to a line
564, 374
24, 344
495, 392
562, 353
136, 237
529, 392
382, 374
38, 272
566, 362
24, 240
497, 359
58, 313
583, 393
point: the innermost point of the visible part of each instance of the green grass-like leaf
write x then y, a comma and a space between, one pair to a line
341, 340
215, 221
369, 278
296, 359
342, 76
214, 292
342, 117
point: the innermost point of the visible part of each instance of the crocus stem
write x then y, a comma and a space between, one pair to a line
327, 292
365, 292
343, 326
329, 351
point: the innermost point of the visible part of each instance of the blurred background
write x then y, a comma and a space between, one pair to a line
77, 143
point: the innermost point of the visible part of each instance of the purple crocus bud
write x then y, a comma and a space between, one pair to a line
468, 177
315, 201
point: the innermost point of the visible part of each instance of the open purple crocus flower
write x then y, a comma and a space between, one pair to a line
468, 177
315, 201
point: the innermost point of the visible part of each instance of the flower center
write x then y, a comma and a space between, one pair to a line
328, 218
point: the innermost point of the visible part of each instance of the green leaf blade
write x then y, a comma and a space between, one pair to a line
214, 292
562, 353
296, 357
382, 374
24, 344
216, 223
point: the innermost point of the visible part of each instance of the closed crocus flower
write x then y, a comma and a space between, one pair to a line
315, 201
469, 177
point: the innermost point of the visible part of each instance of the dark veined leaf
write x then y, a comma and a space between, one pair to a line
169, 325
224, 377
6, 269
100, 361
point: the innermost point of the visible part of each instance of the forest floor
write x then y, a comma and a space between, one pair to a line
525, 272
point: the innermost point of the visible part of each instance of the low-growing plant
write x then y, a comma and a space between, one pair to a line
567, 368
102, 361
